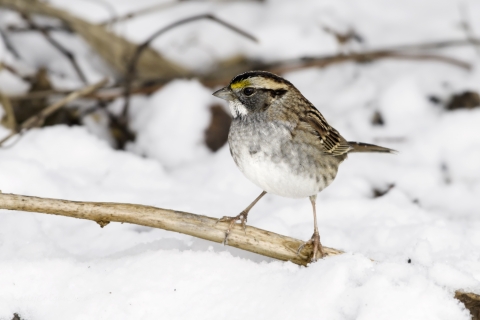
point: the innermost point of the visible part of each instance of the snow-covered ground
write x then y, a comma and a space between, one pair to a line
60, 268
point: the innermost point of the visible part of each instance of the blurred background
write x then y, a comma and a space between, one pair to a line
403, 74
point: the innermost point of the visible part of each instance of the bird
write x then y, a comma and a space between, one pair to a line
283, 144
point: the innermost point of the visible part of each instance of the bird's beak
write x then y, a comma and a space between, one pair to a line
225, 94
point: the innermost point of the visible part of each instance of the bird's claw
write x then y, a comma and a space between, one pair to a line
317, 252
242, 217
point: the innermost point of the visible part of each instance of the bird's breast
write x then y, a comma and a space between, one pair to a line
268, 156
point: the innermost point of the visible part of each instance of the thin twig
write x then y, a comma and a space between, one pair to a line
111, 47
143, 11
414, 52
467, 28
14, 71
306, 62
131, 71
70, 56
44, 113
8, 44
436, 44
21, 29
255, 240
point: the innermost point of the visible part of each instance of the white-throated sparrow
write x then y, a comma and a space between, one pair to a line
282, 143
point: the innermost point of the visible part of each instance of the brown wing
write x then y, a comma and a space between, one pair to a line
332, 142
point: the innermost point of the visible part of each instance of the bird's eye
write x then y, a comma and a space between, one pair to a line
248, 91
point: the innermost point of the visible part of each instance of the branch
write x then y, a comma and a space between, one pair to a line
255, 240
39, 117
8, 44
131, 70
111, 47
69, 55
144, 11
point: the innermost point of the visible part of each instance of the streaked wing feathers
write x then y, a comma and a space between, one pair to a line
330, 139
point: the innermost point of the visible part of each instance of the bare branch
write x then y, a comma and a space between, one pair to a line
131, 71
38, 118
362, 57
114, 49
467, 28
21, 29
144, 11
8, 44
14, 71
437, 44
255, 240
70, 56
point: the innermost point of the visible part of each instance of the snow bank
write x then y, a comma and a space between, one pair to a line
171, 126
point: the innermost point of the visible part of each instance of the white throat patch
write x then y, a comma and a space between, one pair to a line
237, 108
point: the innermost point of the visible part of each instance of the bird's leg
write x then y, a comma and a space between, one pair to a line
315, 240
242, 217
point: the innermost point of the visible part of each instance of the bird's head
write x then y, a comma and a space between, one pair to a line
254, 91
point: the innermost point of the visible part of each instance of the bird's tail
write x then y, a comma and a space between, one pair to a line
365, 147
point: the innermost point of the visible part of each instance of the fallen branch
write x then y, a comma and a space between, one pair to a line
39, 117
255, 240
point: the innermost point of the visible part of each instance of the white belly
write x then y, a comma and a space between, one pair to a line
277, 178
267, 156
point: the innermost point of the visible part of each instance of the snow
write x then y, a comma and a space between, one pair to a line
55, 267
183, 103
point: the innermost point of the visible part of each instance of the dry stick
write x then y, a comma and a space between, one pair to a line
131, 71
225, 75
70, 56
307, 62
253, 239
437, 44
466, 26
14, 71
39, 117
401, 52
144, 11
8, 44
21, 29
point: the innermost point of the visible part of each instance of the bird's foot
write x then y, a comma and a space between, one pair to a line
317, 252
242, 217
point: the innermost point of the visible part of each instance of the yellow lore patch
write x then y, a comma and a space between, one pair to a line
241, 84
